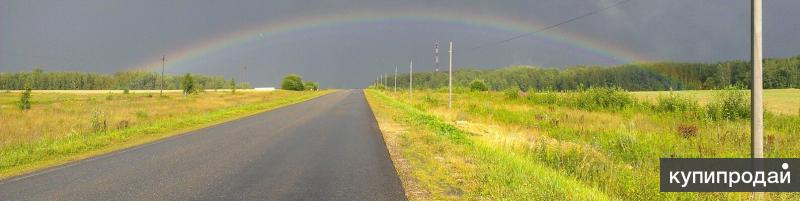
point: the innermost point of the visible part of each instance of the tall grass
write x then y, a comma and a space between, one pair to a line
594, 98
608, 140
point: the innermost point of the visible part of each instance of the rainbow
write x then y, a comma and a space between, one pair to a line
311, 23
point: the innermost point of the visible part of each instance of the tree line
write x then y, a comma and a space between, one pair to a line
657, 76
38, 79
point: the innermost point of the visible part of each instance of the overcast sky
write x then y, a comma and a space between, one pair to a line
117, 35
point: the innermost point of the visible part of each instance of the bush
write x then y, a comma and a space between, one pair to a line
729, 104
596, 98
673, 102
25, 100
687, 131
188, 85
511, 92
478, 85
311, 86
292, 82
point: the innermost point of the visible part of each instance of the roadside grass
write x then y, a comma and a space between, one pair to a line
450, 164
63, 127
613, 149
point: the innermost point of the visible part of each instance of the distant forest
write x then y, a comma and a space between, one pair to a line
39, 79
658, 76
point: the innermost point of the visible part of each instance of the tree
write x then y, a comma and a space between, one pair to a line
292, 82
478, 85
25, 100
188, 85
309, 85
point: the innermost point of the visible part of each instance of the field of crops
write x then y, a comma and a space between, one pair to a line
598, 144
61, 127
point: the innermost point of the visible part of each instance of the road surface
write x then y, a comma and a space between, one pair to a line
328, 148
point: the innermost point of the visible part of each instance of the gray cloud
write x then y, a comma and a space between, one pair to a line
108, 36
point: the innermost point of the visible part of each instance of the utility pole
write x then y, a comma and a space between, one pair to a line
395, 78
163, 64
757, 125
244, 74
757, 110
411, 79
450, 78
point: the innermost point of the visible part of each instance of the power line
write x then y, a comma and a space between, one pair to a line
551, 26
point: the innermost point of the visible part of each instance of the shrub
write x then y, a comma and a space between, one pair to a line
673, 102
311, 86
729, 104
596, 98
292, 82
511, 92
687, 131
25, 100
126, 91
188, 85
109, 97
478, 85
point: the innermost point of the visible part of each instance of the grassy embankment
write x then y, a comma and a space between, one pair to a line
574, 146
63, 127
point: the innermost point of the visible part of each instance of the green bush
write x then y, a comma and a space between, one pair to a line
478, 85
598, 98
311, 86
292, 82
25, 100
673, 102
511, 92
188, 85
729, 104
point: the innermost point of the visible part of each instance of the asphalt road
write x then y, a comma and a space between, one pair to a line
328, 148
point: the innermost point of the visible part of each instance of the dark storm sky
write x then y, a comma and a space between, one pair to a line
115, 35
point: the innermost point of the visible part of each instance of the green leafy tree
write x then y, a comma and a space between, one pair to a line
188, 85
478, 85
292, 82
309, 85
25, 100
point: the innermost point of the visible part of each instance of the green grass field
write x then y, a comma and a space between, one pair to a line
562, 146
62, 127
